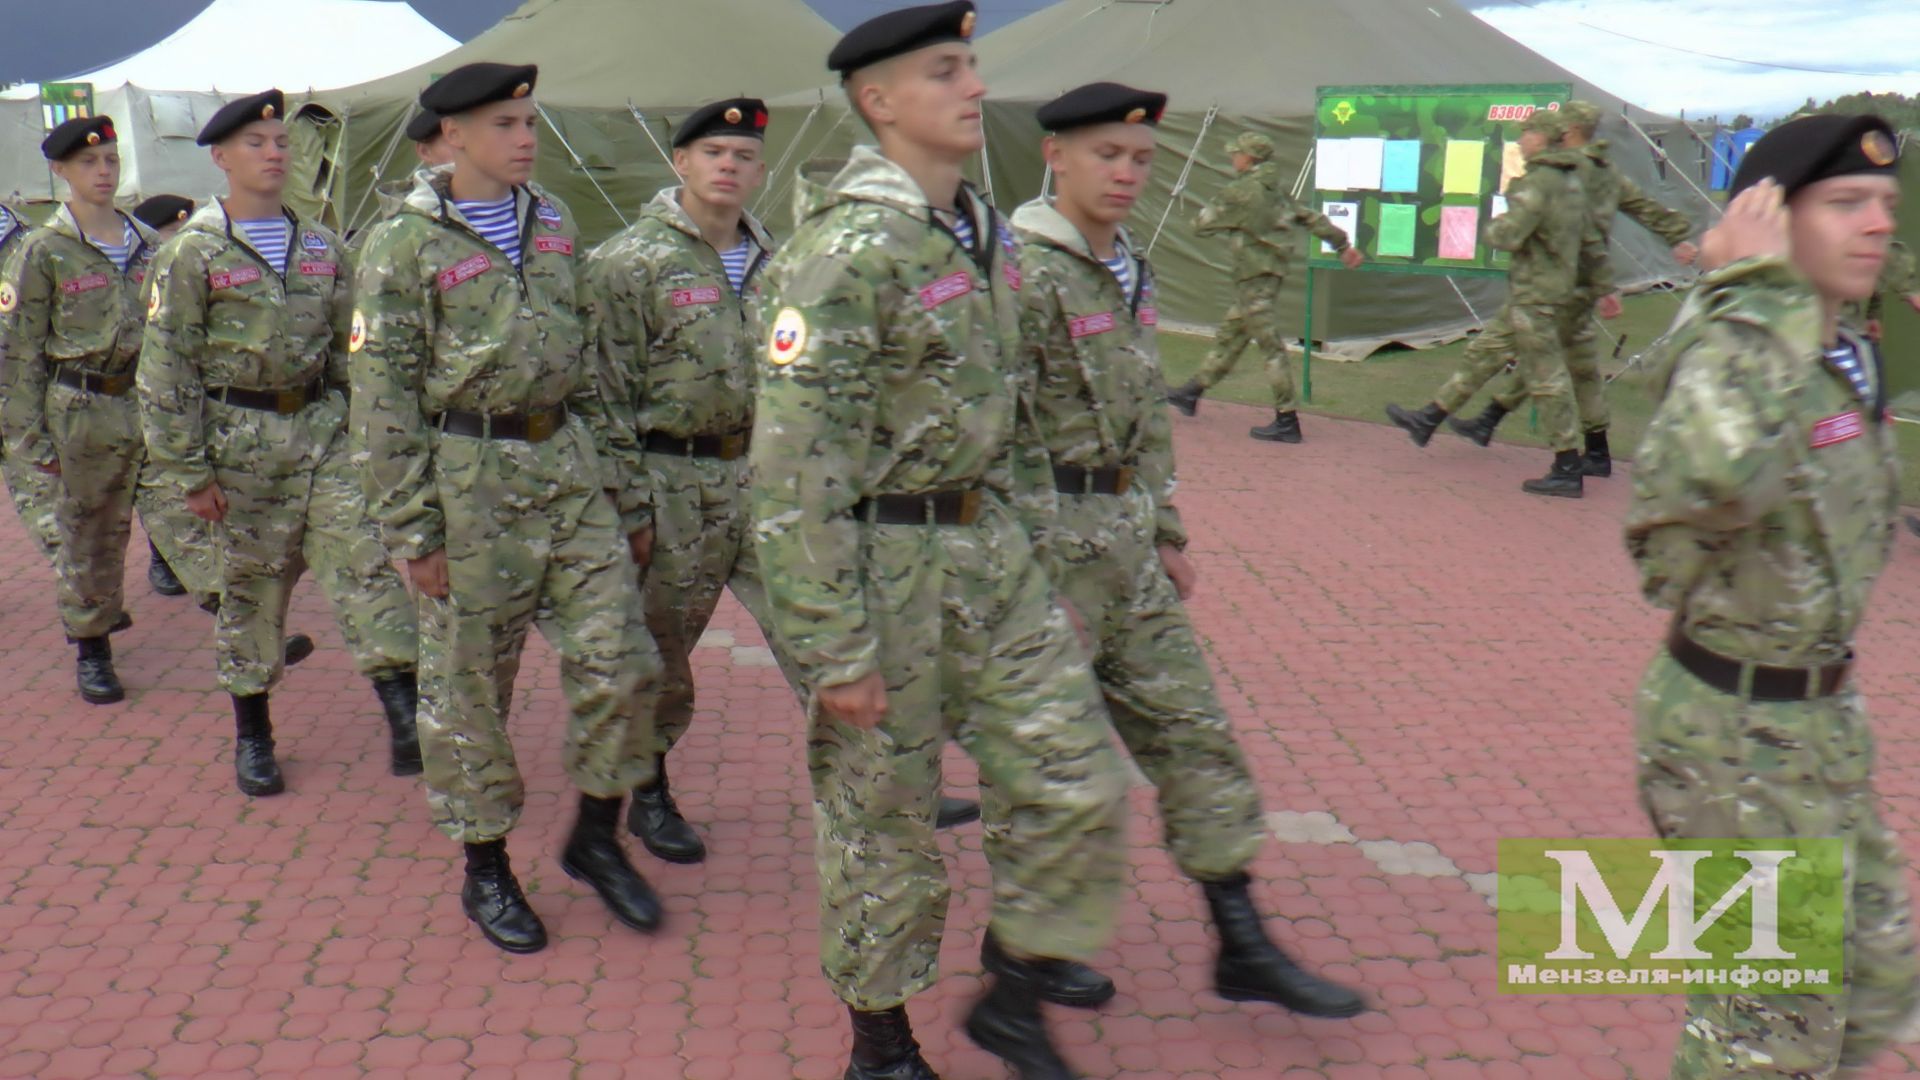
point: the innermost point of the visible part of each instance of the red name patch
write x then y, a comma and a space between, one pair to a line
323, 269
1149, 316
227, 279
1837, 429
1013, 276
947, 288
1089, 325
465, 270
690, 297
89, 283
561, 244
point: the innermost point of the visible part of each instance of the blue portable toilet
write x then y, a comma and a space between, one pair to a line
1729, 147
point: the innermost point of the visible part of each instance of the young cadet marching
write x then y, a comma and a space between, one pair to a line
241, 382
895, 490
1117, 548
70, 314
1763, 509
1257, 217
33, 492
1609, 194
1548, 228
166, 215
482, 411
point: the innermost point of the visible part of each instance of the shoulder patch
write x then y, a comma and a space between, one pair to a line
153, 300
357, 337
9, 299
312, 240
788, 339
548, 213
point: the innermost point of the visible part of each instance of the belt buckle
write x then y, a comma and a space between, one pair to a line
1122, 479
732, 446
540, 426
290, 401
969, 507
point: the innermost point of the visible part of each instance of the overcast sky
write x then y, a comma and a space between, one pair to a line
1878, 41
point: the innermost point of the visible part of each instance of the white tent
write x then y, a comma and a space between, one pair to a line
244, 46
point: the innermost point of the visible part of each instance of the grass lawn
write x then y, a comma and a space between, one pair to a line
1362, 391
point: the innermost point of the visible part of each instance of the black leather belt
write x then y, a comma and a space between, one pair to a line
285, 402
724, 447
109, 385
1769, 683
937, 508
534, 427
1110, 481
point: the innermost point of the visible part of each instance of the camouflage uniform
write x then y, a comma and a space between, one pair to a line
679, 347
1546, 227
1258, 217
219, 316
447, 323
1763, 510
33, 492
70, 311
1608, 195
891, 370
1101, 404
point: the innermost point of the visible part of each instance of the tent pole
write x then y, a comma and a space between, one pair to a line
641, 119
791, 147
788, 182
1186, 170
1662, 155
581, 164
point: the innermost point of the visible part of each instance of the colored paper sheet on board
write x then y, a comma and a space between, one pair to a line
1459, 232
1397, 223
1400, 165
1466, 163
1365, 160
1499, 206
1330, 158
1513, 165
1344, 216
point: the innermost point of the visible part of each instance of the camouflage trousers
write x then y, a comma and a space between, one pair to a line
1529, 336
1159, 692
182, 539
530, 540
295, 500
34, 494
1580, 342
700, 546
1712, 765
1252, 323
97, 441
972, 648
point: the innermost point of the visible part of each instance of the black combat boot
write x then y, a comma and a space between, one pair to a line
1599, 459
124, 622
1006, 1023
493, 900
884, 1047
1419, 426
160, 575
253, 762
94, 671
1252, 968
1063, 982
1480, 428
593, 854
1563, 480
399, 695
1186, 397
955, 812
656, 820
1285, 428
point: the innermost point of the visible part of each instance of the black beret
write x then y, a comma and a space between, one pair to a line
235, 115
424, 127
739, 116
1102, 103
76, 135
163, 210
887, 36
1815, 148
470, 86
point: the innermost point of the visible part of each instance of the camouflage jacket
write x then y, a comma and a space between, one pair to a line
218, 314
1765, 492
1548, 229
892, 367
1258, 218
678, 346
1609, 193
445, 321
62, 301
1100, 399
14, 228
